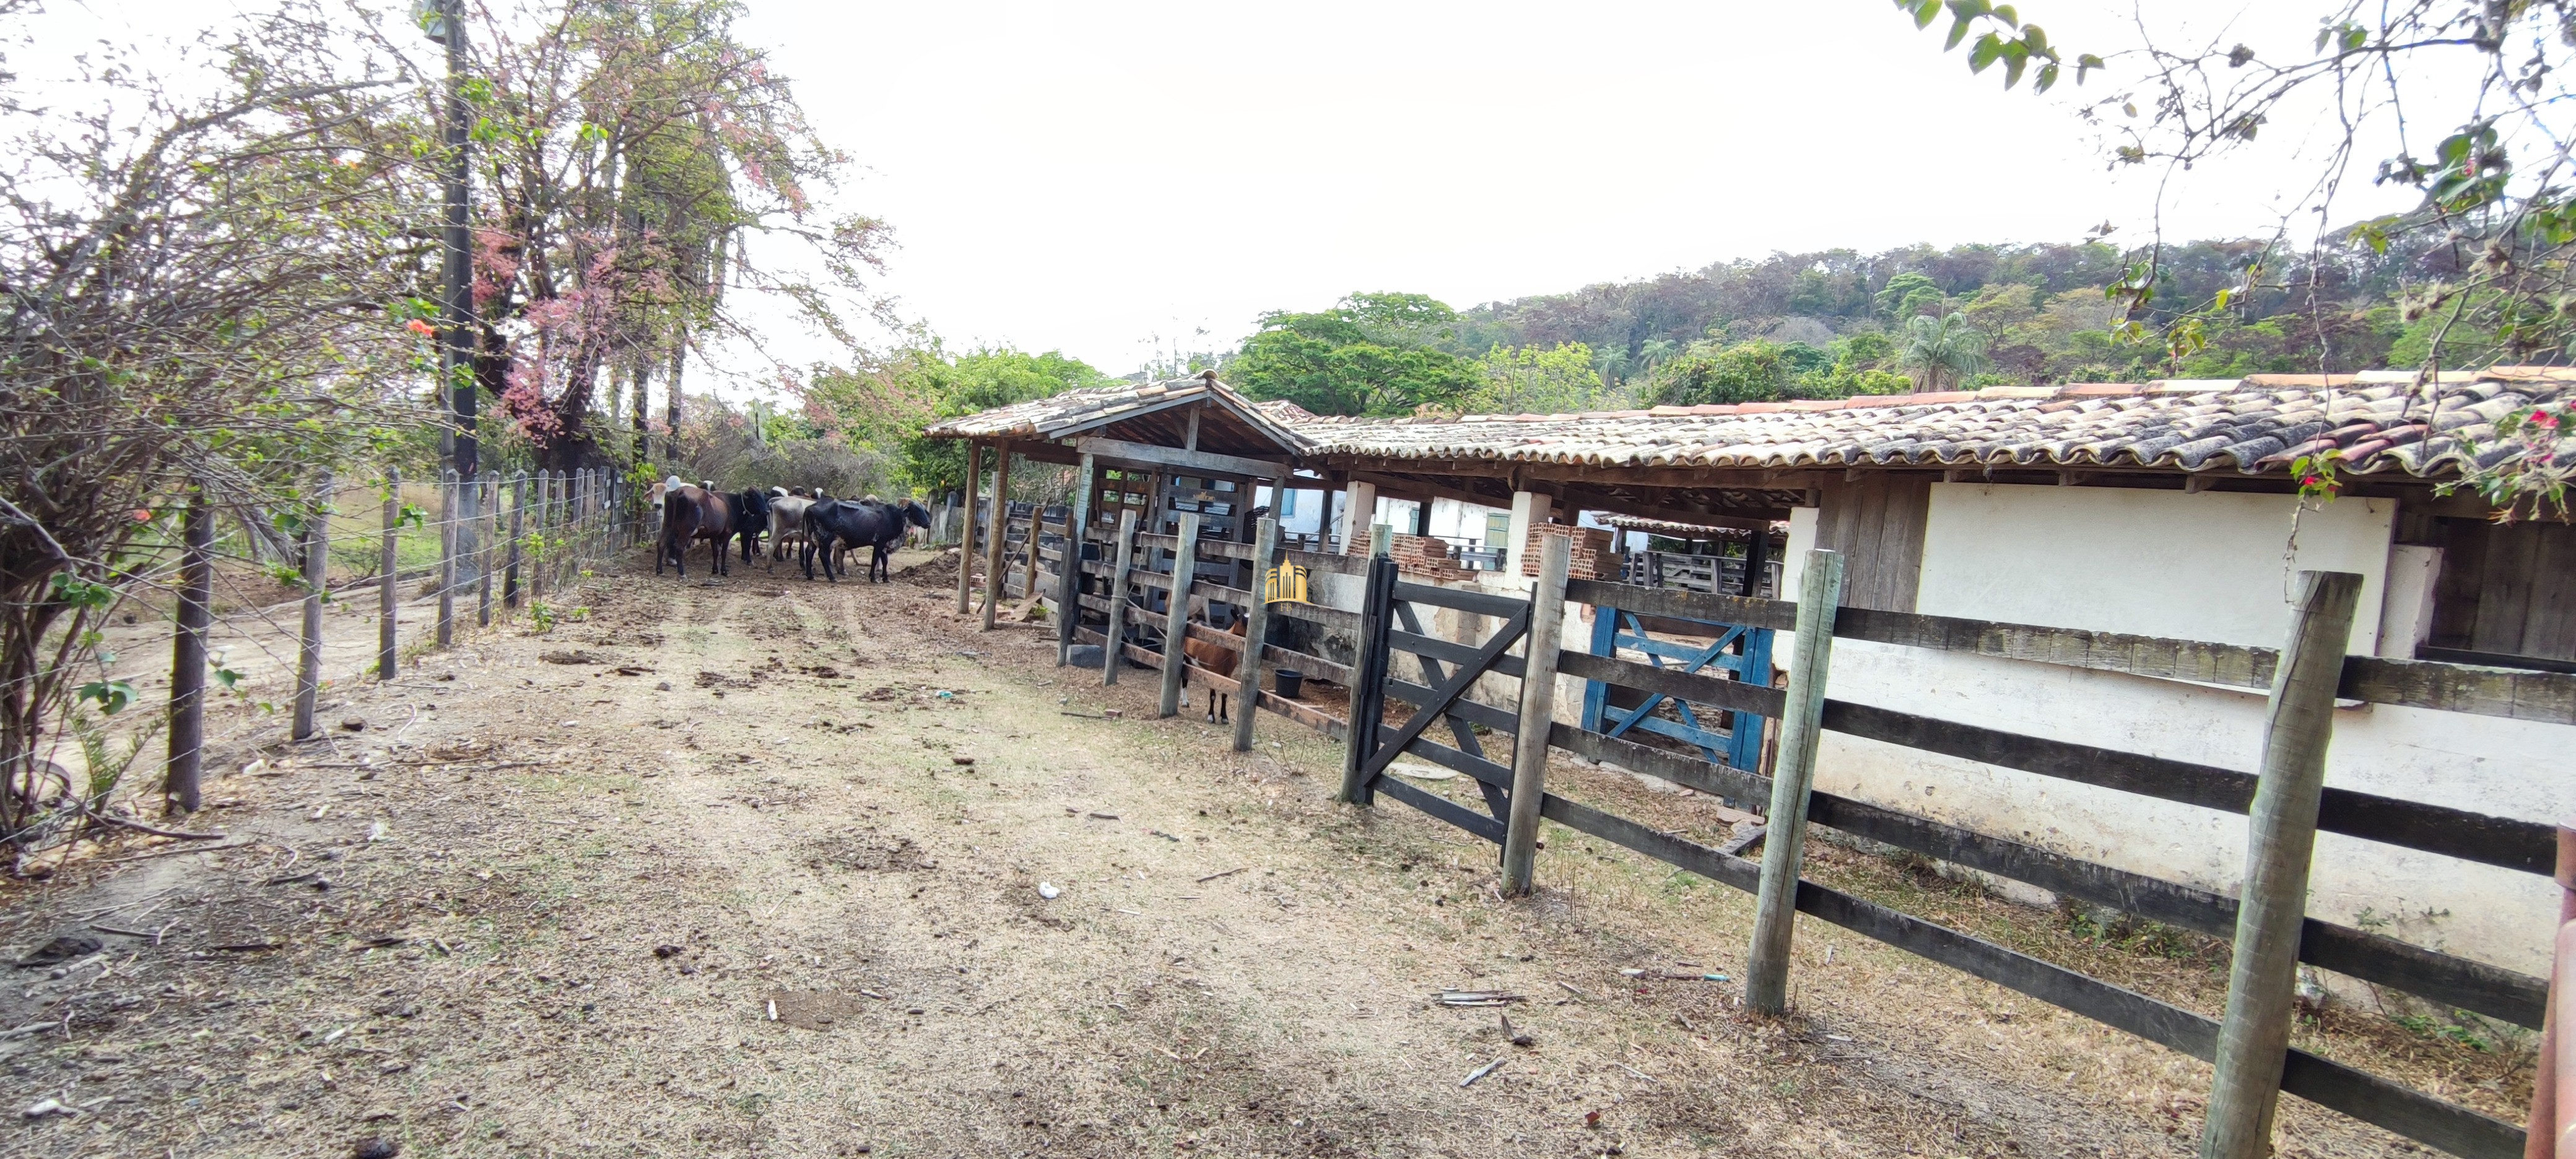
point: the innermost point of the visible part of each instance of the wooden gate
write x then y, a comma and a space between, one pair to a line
1729, 736
1390, 623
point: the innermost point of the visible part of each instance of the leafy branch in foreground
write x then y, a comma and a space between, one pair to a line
2490, 243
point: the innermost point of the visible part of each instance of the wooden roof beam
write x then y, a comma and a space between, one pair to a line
1124, 453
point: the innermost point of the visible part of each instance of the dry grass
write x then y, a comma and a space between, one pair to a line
588, 889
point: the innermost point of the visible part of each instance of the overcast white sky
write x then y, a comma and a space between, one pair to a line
1095, 177
1088, 177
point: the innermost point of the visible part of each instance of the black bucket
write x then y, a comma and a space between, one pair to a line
1288, 682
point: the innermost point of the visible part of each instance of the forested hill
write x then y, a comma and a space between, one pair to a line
2041, 309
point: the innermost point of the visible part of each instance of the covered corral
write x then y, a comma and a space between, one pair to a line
2103, 573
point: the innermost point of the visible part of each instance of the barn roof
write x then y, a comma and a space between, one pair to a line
2380, 421
2253, 425
1154, 412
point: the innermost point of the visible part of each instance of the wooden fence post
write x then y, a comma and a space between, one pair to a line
389, 566
1176, 614
179, 786
1766, 966
487, 525
1077, 524
996, 535
1116, 633
510, 586
2546, 1133
1256, 628
966, 535
308, 652
1368, 681
446, 556
1029, 569
469, 524
2262, 982
1538, 712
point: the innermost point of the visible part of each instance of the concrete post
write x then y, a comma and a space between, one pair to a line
1359, 509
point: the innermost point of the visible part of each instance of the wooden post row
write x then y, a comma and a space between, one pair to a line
1116, 630
1766, 967
188, 655
2262, 983
1538, 712
966, 536
1256, 629
1068, 600
389, 566
1176, 614
308, 654
995, 533
446, 556
510, 593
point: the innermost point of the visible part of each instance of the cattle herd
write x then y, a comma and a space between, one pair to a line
821, 527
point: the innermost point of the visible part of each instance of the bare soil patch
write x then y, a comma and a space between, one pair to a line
754, 901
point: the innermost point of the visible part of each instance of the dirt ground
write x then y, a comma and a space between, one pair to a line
759, 869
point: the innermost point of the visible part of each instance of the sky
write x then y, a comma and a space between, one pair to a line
1114, 179
1105, 179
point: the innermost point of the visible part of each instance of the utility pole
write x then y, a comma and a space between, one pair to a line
444, 21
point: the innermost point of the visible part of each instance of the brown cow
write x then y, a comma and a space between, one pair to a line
690, 514
1220, 660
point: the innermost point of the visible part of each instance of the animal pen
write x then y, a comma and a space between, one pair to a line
1480, 698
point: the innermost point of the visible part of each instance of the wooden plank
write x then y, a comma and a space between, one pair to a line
1449, 690
2547, 697
1471, 711
2524, 845
1480, 603
1328, 616
2334, 1086
1123, 452
1482, 769
2457, 982
2228, 664
1697, 688
1766, 962
1451, 651
1497, 802
1442, 808
1781, 615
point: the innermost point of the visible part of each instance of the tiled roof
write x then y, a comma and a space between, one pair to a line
1672, 530
1093, 407
2381, 422
2252, 425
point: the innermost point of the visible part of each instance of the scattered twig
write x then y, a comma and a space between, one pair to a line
140, 827
1634, 1071
125, 933
167, 850
1569, 988
1476, 1075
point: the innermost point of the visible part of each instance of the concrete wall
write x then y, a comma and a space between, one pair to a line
2207, 567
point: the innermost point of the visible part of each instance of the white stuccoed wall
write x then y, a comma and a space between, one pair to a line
2207, 567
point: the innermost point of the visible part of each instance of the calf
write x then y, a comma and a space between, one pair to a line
786, 522
1219, 660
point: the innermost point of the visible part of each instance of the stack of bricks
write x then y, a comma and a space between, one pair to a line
1426, 557
1589, 555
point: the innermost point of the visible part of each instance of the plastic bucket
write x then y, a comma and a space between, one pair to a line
1288, 682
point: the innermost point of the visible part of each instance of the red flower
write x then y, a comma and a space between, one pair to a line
141, 514
421, 328
2544, 420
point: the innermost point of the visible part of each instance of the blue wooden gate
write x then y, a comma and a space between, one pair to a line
1733, 738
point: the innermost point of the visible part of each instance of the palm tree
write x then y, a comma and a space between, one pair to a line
1939, 351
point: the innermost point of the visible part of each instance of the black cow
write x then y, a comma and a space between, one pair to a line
835, 525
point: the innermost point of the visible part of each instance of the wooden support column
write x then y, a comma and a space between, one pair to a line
1256, 628
510, 592
2262, 982
966, 539
388, 568
1116, 631
1538, 712
1077, 525
995, 533
317, 565
1029, 546
1766, 968
1757, 559
1176, 614
1368, 682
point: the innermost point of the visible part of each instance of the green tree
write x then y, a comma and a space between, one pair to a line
1529, 380
1906, 295
1941, 351
1755, 371
888, 405
1365, 356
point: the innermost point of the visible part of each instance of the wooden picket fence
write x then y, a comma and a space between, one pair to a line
1113, 584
